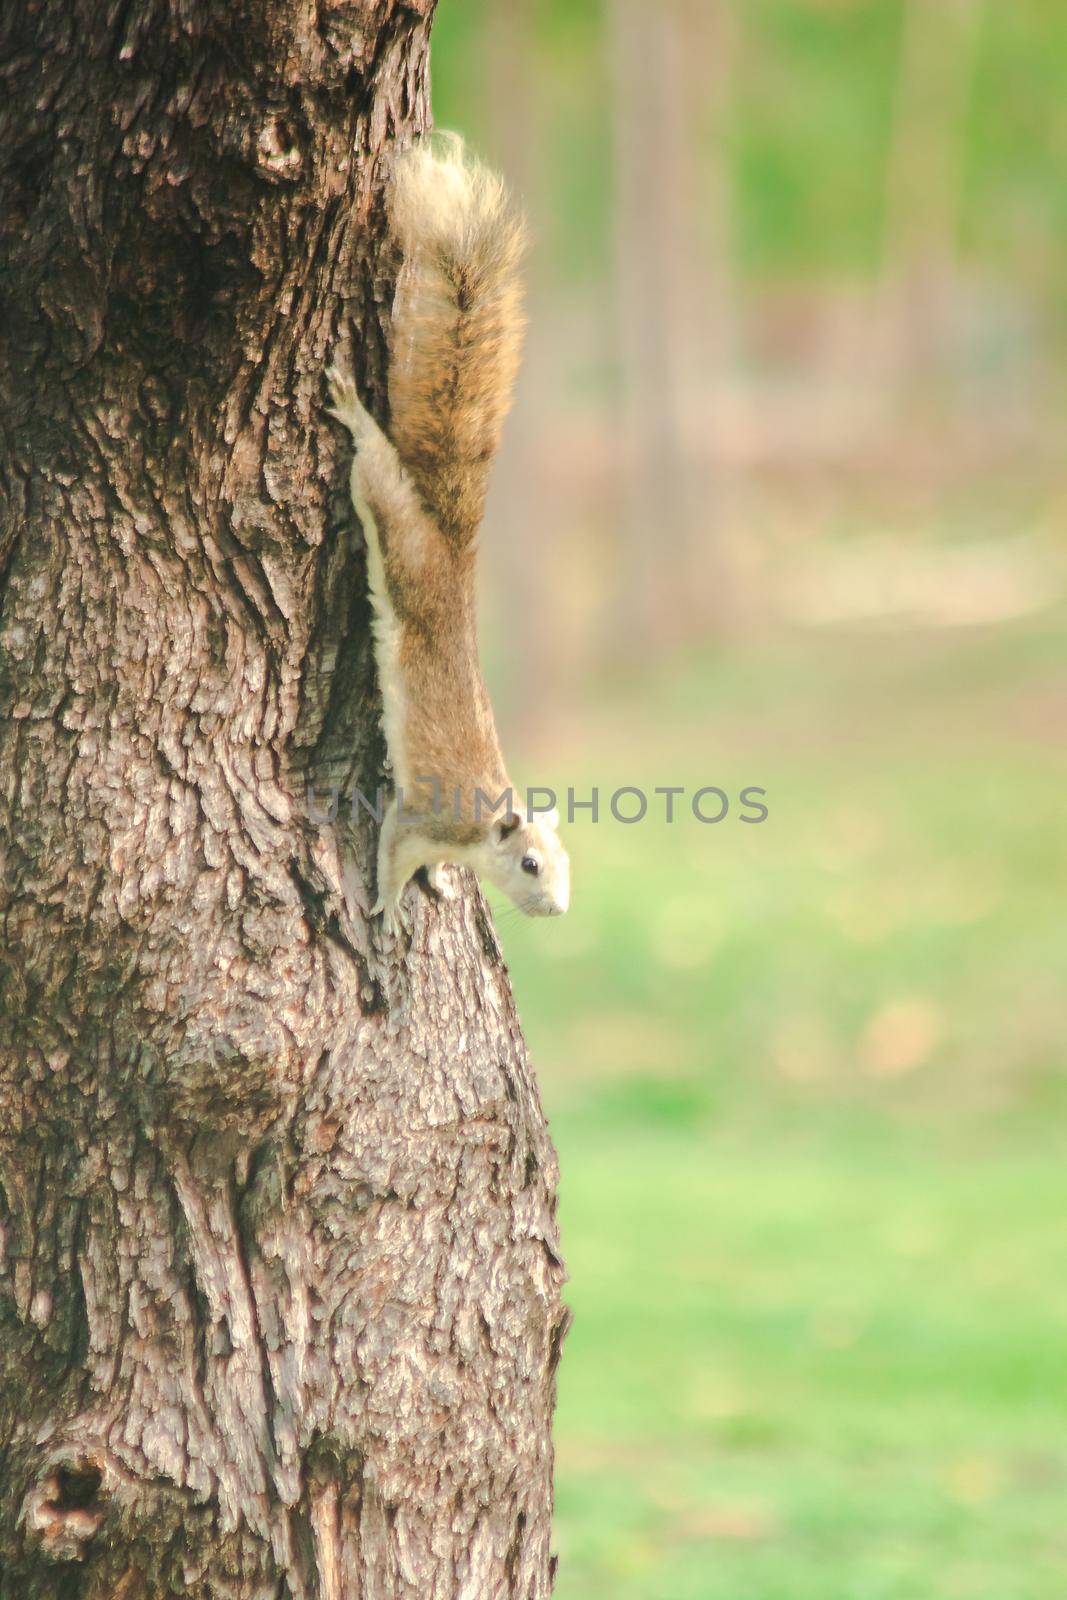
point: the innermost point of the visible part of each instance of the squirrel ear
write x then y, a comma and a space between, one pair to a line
504, 827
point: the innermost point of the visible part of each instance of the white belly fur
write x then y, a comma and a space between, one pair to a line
386, 641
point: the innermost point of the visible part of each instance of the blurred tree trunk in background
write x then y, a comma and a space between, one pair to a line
671, 273
279, 1284
713, 63
924, 191
524, 561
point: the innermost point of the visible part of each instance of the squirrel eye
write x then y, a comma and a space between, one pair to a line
530, 865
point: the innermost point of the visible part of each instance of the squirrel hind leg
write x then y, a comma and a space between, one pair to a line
347, 407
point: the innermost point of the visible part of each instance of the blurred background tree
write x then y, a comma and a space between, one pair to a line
783, 503
782, 246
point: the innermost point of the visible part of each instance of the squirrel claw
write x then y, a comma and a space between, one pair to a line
344, 400
342, 385
346, 406
390, 915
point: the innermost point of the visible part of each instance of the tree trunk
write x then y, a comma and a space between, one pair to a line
666, 81
925, 183
526, 559
279, 1283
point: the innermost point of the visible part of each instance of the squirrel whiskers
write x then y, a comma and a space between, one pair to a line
455, 345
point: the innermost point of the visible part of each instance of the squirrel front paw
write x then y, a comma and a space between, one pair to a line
390, 915
440, 886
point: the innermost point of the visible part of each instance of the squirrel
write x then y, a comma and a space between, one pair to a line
455, 345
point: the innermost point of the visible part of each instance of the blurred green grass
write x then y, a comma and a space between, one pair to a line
807, 1083
832, 1370
807, 1078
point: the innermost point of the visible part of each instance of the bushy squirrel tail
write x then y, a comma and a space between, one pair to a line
457, 326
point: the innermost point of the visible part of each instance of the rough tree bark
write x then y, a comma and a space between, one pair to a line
279, 1284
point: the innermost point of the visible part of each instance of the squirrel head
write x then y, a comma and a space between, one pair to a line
526, 859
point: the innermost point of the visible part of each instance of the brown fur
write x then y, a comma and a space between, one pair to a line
456, 338
449, 729
457, 329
